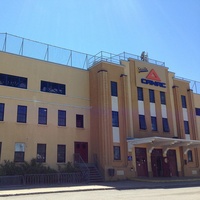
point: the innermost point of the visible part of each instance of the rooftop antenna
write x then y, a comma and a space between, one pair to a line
144, 56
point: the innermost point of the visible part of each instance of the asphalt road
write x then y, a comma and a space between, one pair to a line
188, 193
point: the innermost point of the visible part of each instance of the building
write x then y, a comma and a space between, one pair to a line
130, 116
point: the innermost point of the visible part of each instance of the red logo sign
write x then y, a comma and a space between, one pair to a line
153, 76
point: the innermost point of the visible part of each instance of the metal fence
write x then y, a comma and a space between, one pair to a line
40, 179
33, 49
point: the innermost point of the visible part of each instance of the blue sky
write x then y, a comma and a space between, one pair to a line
169, 30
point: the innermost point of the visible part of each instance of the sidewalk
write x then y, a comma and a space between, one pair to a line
139, 183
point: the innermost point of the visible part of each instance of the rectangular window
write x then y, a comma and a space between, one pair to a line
197, 111
61, 153
190, 157
183, 100
140, 93
2, 105
79, 121
19, 152
114, 89
162, 98
61, 118
154, 123
151, 96
117, 153
42, 116
142, 122
51, 87
165, 124
21, 114
186, 127
41, 153
13, 81
115, 119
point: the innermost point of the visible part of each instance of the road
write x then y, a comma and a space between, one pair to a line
188, 193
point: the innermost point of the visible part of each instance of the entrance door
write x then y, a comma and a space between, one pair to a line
171, 157
157, 162
141, 161
81, 148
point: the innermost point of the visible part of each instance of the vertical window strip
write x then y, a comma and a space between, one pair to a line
140, 94
183, 101
2, 105
142, 122
162, 98
165, 125
151, 96
115, 119
114, 91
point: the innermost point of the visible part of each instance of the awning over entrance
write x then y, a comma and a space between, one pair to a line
164, 143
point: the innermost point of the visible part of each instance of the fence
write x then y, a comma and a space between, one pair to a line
39, 179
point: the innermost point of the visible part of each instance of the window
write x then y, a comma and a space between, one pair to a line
162, 98
190, 157
21, 114
142, 122
41, 152
140, 93
115, 119
13, 81
165, 125
154, 123
114, 89
183, 100
61, 153
2, 105
186, 127
151, 96
61, 118
52, 87
42, 117
197, 111
117, 154
19, 152
79, 121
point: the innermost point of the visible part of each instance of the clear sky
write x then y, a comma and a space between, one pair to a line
169, 30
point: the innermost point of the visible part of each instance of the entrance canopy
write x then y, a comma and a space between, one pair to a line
162, 142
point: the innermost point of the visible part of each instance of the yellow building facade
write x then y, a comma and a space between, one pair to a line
133, 118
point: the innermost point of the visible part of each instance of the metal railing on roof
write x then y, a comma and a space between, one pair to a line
33, 49
194, 85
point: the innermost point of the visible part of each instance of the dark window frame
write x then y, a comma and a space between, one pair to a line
42, 116
52, 87
142, 122
183, 101
13, 81
41, 153
21, 114
61, 153
19, 155
162, 98
154, 123
61, 117
197, 110
151, 96
115, 119
114, 91
117, 152
165, 125
190, 156
79, 121
2, 109
140, 94
186, 127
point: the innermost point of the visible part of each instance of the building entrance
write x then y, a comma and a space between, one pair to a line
141, 161
163, 166
81, 148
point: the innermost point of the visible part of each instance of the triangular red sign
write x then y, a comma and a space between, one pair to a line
153, 76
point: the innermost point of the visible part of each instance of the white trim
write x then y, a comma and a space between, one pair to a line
115, 106
141, 107
153, 109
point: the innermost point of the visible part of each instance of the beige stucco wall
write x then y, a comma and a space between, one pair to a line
76, 101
